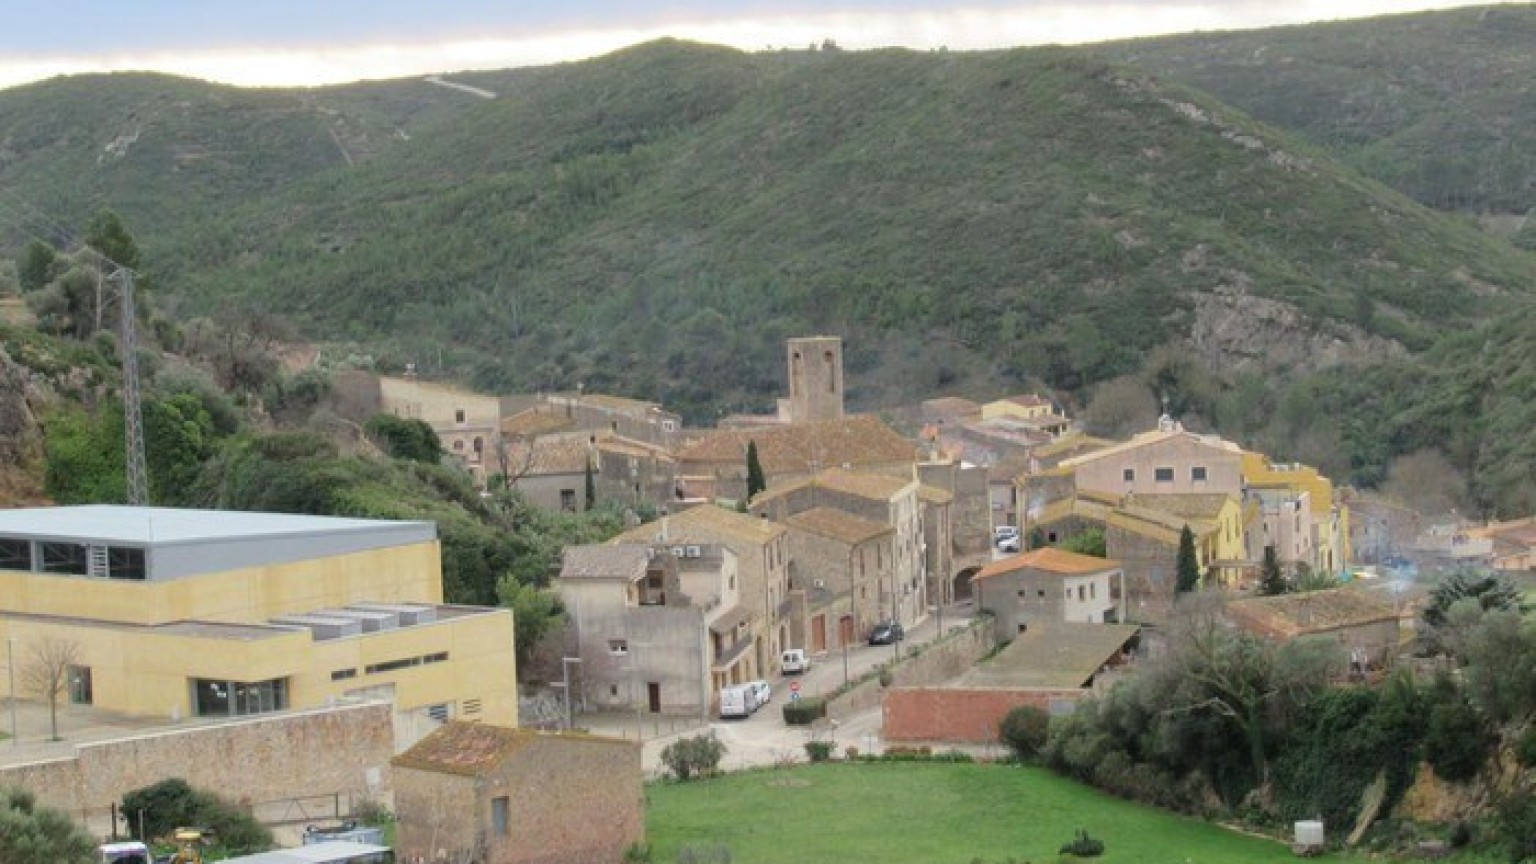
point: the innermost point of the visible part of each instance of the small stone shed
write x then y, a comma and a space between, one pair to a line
472, 793
1357, 618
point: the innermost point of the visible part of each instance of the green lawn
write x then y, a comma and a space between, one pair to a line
926, 813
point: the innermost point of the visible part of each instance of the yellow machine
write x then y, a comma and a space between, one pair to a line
189, 845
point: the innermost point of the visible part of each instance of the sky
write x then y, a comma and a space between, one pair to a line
315, 42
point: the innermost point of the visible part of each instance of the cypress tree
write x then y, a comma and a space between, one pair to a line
1271, 577
755, 480
591, 487
1189, 565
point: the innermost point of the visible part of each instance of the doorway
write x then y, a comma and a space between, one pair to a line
653, 692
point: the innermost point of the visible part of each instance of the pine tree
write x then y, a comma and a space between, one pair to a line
1271, 577
755, 480
1189, 565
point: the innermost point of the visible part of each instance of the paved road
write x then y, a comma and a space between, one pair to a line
764, 738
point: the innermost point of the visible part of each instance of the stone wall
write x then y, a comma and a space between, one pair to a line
938, 663
961, 715
335, 751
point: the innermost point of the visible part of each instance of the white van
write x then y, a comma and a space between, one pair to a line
739, 701
794, 661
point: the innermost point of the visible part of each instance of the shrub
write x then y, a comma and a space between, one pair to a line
174, 803
1025, 730
804, 712
698, 756
638, 853
819, 751
1525, 750
1083, 846
1455, 743
371, 812
1517, 825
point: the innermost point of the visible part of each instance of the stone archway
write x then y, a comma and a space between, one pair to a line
963, 583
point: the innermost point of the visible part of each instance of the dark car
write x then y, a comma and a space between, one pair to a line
886, 633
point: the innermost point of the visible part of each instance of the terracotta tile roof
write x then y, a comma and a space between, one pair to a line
552, 454
945, 407
703, 524
465, 748
635, 407
1048, 559
729, 620
1189, 505
604, 562
1158, 525
1290, 615
471, 749
1072, 444
1027, 400
1156, 436
611, 443
534, 422
838, 525
797, 448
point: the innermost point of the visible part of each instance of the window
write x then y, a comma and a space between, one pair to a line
1093, 590
1129, 474
1081, 594
1162, 475
568, 500
458, 446
125, 563
344, 674
1197, 474
458, 415
63, 558
831, 377
236, 698
500, 816
80, 685
439, 712
618, 647
15, 554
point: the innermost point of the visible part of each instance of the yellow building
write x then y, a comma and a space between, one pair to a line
169, 613
1330, 518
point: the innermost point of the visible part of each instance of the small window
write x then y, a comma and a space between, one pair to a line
1162, 475
500, 813
344, 674
80, 685
1093, 590
458, 415
438, 712
618, 647
1129, 474
64, 558
568, 500
1197, 474
1081, 594
15, 554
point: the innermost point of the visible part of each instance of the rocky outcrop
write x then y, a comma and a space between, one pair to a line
1239, 332
21, 438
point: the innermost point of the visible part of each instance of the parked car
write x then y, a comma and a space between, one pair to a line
762, 693
1010, 544
1004, 532
738, 701
886, 633
794, 661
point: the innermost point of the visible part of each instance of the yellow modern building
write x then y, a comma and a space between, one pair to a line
167, 613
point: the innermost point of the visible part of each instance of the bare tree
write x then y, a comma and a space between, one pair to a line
45, 673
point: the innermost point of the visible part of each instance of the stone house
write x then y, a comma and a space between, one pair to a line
1354, 618
775, 611
473, 792
968, 525
845, 564
713, 463
880, 498
1049, 584
657, 628
551, 470
1167, 459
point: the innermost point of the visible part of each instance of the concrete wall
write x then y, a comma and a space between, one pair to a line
410, 573
959, 715
571, 801
344, 750
935, 665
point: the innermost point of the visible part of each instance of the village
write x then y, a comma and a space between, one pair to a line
887, 587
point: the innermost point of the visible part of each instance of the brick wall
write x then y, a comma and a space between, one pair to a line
969, 716
343, 751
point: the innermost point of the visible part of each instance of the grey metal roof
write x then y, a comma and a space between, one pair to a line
332, 852
162, 526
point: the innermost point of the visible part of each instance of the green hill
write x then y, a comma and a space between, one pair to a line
656, 221
1440, 105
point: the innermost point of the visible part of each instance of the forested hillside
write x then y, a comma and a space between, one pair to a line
1439, 105
655, 222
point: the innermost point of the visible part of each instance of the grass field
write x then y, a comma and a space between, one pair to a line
926, 813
